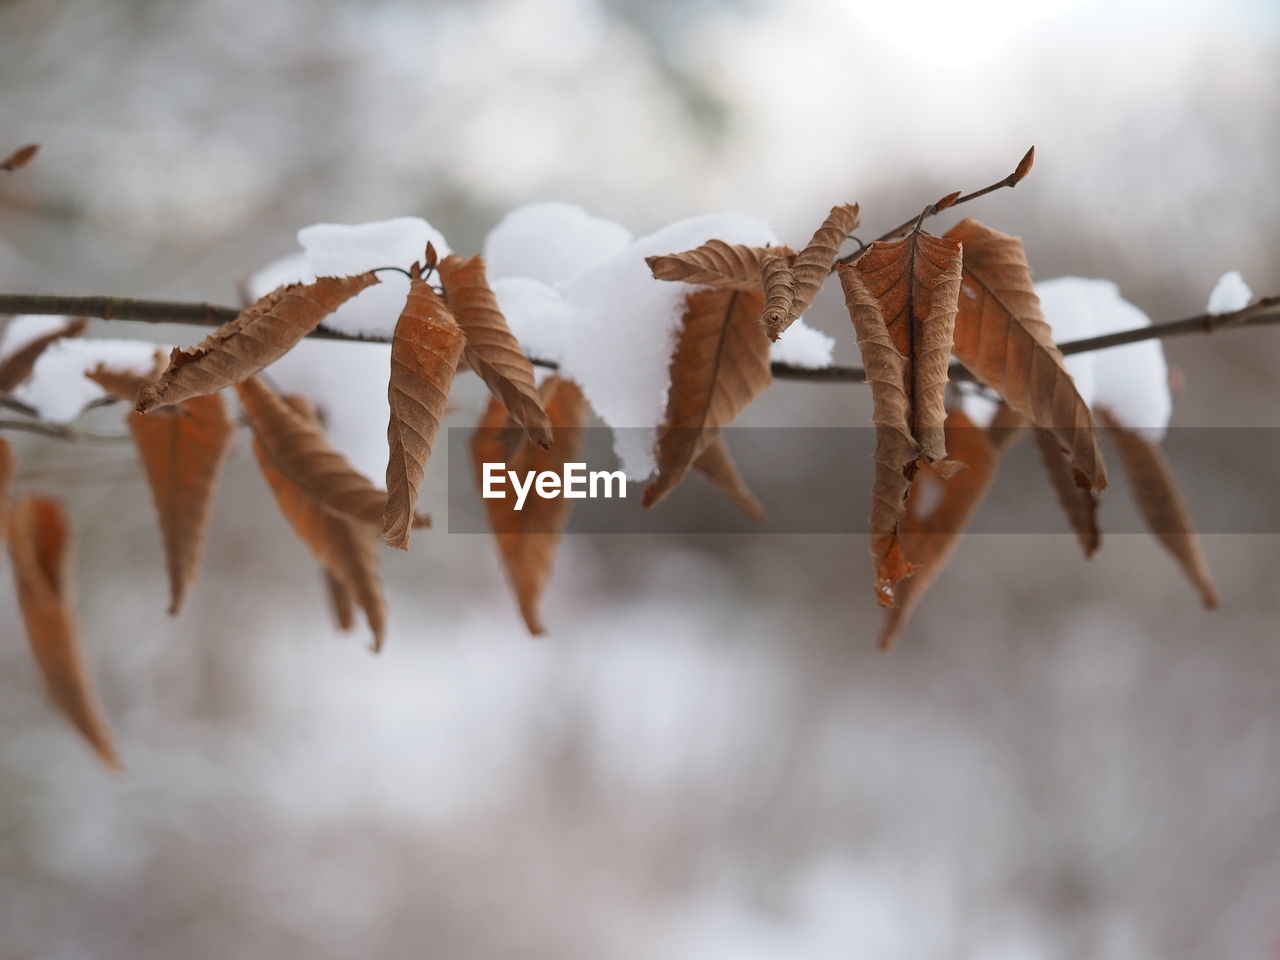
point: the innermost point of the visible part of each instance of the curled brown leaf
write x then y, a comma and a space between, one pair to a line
717, 264
812, 264
17, 367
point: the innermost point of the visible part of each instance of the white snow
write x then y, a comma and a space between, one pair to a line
574, 293
1131, 381
1230, 294
58, 387
551, 242
25, 329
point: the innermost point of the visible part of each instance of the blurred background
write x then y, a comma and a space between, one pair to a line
707, 757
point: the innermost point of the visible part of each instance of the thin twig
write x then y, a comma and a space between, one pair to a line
949, 201
1260, 313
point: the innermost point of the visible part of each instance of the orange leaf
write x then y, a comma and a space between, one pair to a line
720, 363
346, 548
125, 384
182, 450
299, 449
812, 264
424, 357
19, 158
8, 467
1161, 505
717, 466
527, 539
491, 348
928, 541
1002, 337
1079, 502
39, 547
341, 602
896, 448
717, 264
17, 367
262, 334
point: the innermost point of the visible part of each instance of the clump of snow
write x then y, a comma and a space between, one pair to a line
978, 406
551, 242
58, 387
1130, 381
1230, 294
576, 292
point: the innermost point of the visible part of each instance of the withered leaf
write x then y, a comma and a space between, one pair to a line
929, 540
40, 550
182, 450
8, 467
812, 264
1079, 502
717, 466
19, 158
125, 384
916, 281
717, 264
1156, 494
527, 539
897, 451
424, 356
779, 292
298, 447
346, 548
1002, 337
341, 602
17, 367
491, 348
262, 333
720, 363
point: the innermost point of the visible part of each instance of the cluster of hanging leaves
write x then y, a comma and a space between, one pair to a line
915, 302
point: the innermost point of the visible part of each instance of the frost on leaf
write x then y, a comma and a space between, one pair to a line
182, 450
1002, 337
345, 548
720, 363
528, 538
491, 349
1165, 512
259, 336
40, 551
424, 356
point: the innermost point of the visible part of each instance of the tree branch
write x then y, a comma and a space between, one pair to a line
1263, 312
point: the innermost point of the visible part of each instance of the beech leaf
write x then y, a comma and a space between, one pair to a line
262, 333
720, 363
491, 348
1156, 494
19, 158
341, 603
1002, 337
17, 367
1079, 502
346, 548
717, 264
716, 464
527, 539
125, 384
8, 467
424, 356
779, 282
812, 265
40, 551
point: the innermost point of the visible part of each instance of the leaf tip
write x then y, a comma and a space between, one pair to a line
1024, 167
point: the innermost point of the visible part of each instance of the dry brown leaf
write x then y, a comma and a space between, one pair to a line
916, 281
8, 467
716, 464
1079, 503
896, 451
40, 550
720, 363
424, 356
125, 384
298, 447
717, 264
1002, 337
527, 539
341, 602
1156, 494
812, 265
262, 334
182, 450
491, 349
779, 292
346, 548
19, 158
17, 367
928, 541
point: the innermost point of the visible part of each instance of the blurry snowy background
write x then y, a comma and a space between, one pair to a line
707, 758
